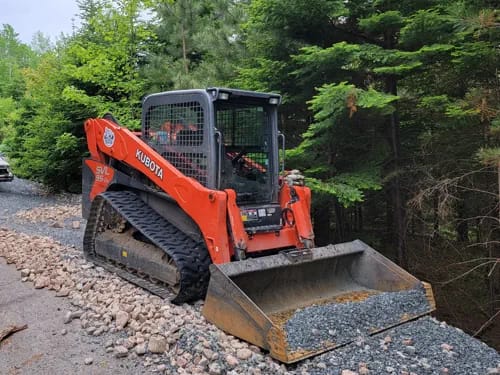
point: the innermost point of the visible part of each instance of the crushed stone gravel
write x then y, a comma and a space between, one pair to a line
27, 208
312, 327
387, 353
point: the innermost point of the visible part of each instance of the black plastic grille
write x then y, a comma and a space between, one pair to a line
176, 132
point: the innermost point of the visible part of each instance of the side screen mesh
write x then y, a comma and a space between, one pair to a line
246, 141
244, 130
241, 126
175, 131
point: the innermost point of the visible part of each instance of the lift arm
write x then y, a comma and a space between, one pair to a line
208, 208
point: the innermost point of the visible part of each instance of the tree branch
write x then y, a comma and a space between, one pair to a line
466, 273
486, 324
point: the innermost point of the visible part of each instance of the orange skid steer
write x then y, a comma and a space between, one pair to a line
198, 206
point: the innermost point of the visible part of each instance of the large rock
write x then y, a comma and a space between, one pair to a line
63, 292
232, 361
244, 353
121, 351
70, 315
25, 272
215, 369
42, 282
157, 344
122, 318
140, 349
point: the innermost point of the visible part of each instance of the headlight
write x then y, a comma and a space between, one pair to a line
223, 95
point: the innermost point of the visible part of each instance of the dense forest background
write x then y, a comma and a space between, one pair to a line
391, 110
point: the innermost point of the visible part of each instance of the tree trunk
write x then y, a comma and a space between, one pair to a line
322, 230
339, 223
389, 217
184, 50
462, 225
396, 191
494, 253
399, 219
359, 217
398, 203
435, 209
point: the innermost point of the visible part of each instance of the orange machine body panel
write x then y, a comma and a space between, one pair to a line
105, 137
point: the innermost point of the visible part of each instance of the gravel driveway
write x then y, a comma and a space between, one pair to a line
82, 319
21, 195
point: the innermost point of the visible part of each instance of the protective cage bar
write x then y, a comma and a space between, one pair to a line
177, 132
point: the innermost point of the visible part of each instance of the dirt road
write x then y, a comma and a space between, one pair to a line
48, 345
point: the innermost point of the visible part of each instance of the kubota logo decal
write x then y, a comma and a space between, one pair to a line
150, 164
108, 137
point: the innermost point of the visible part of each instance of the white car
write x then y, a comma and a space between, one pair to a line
5, 173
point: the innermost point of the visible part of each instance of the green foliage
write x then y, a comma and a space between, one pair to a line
344, 69
459, 111
400, 70
195, 44
347, 188
426, 26
258, 78
489, 156
336, 102
9, 113
14, 56
38, 142
86, 75
339, 109
378, 102
331, 101
101, 61
391, 20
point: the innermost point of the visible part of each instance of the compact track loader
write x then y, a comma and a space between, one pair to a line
197, 206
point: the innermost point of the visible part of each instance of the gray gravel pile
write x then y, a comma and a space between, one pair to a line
425, 346
21, 197
340, 323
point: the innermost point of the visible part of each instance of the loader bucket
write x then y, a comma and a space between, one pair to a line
298, 307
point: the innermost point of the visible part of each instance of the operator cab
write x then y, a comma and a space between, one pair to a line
246, 123
225, 139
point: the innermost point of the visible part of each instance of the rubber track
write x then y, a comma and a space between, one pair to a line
190, 257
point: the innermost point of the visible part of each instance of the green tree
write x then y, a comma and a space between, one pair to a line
101, 61
88, 74
14, 56
197, 44
400, 95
